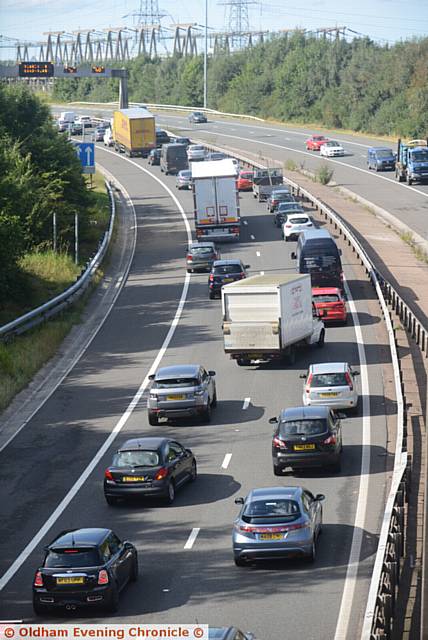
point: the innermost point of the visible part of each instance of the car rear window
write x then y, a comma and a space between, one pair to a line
275, 510
246, 175
329, 380
298, 220
175, 382
138, 458
71, 558
196, 147
303, 427
201, 251
228, 268
326, 297
185, 174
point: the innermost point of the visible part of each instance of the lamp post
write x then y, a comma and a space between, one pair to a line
206, 55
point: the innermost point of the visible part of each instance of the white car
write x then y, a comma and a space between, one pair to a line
108, 138
295, 224
195, 152
331, 384
85, 121
331, 148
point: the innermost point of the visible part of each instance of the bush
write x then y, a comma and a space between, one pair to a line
324, 174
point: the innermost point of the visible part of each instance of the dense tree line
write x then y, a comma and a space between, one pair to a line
357, 85
39, 174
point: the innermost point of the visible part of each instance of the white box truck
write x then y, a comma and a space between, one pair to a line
216, 200
266, 317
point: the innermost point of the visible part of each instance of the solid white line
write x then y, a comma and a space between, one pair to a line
244, 222
360, 514
192, 537
82, 350
226, 461
258, 254
252, 237
246, 403
123, 420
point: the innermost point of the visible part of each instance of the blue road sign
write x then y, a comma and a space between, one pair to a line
86, 154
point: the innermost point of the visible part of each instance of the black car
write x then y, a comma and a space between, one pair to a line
197, 117
154, 156
162, 137
223, 272
148, 467
306, 437
181, 140
76, 129
277, 196
228, 633
284, 210
84, 567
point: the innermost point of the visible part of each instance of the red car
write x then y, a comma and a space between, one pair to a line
330, 300
244, 181
314, 143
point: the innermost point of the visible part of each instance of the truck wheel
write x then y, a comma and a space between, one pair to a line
153, 420
243, 362
409, 180
321, 339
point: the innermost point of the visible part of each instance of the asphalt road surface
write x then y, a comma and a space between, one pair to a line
48, 457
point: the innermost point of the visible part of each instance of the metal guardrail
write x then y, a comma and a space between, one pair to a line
379, 615
70, 295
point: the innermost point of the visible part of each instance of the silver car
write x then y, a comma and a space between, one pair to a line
196, 152
200, 256
181, 391
331, 384
277, 522
184, 179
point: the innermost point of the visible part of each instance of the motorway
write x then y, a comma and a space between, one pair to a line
105, 392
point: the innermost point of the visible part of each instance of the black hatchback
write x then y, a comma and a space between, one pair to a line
306, 437
224, 272
84, 567
148, 467
162, 137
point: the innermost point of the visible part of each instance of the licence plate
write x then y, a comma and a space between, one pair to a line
328, 395
76, 580
179, 396
271, 536
133, 478
303, 447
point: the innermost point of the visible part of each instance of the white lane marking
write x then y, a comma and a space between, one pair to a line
258, 254
165, 590
192, 537
244, 222
343, 164
252, 237
246, 403
226, 461
262, 273
124, 418
82, 350
360, 514
119, 282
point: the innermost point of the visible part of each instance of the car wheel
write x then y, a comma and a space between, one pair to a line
240, 562
189, 270
277, 471
170, 495
286, 238
214, 400
111, 501
207, 413
409, 180
153, 420
321, 339
311, 556
243, 362
113, 602
354, 410
337, 466
193, 472
134, 572
212, 295
39, 609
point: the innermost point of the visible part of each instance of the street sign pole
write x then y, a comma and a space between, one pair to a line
54, 230
76, 238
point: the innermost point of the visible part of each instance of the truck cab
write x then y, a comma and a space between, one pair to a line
412, 161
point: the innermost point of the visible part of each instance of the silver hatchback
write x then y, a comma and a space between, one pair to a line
181, 391
331, 384
200, 256
277, 522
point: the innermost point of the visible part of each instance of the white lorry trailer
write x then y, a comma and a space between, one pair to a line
266, 317
216, 201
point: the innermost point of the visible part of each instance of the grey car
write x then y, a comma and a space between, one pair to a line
277, 522
184, 179
200, 256
181, 391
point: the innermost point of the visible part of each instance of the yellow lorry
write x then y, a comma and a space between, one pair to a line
134, 131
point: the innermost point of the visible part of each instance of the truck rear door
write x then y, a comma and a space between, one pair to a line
226, 200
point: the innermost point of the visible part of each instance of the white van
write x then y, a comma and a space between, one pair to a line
67, 116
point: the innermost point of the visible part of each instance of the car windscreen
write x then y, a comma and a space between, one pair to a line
384, 153
185, 174
199, 251
274, 510
140, 458
71, 558
329, 380
171, 383
298, 220
420, 156
326, 297
303, 427
227, 268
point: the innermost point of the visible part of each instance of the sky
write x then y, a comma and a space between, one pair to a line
382, 20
